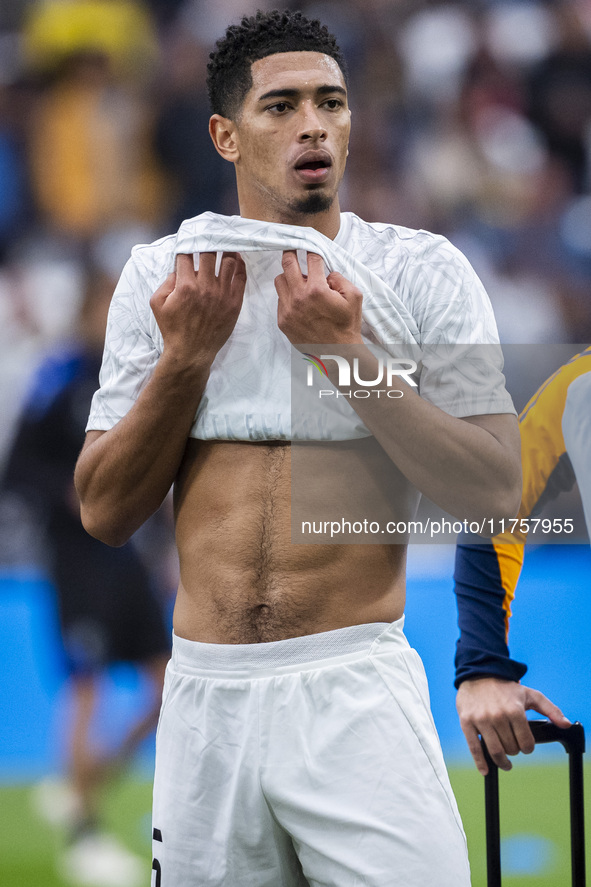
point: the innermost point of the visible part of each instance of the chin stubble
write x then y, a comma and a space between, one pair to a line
313, 203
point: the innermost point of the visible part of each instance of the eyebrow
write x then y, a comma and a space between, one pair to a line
293, 93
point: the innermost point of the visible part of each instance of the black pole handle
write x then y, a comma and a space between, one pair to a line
573, 740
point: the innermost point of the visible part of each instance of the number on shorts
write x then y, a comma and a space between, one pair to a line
157, 835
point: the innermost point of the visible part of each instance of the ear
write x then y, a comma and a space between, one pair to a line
224, 137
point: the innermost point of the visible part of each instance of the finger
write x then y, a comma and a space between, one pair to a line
185, 268
343, 286
282, 288
536, 701
227, 266
523, 734
337, 282
316, 273
504, 730
164, 290
291, 267
239, 278
496, 748
475, 746
207, 267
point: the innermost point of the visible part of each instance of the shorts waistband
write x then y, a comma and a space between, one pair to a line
353, 641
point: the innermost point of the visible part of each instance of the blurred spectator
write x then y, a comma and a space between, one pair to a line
121, 30
12, 15
202, 179
90, 152
208, 21
109, 607
15, 199
90, 144
560, 97
39, 300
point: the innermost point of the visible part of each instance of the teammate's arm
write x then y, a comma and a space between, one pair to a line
123, 475
490, 700
470, 467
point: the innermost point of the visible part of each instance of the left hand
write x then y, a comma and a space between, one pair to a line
314, 308
495, 709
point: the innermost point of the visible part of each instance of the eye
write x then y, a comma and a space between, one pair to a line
333, 104
278, 107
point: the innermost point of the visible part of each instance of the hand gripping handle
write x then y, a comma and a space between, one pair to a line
573, 740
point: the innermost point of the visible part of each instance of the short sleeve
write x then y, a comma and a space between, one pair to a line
130, 353
462, 360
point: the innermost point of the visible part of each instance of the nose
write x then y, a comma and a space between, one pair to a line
311, 127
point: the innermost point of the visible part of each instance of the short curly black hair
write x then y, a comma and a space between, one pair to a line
228, 73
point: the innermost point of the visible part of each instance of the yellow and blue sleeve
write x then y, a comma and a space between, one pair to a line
486, 573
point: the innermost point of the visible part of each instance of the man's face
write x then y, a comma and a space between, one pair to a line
292, 135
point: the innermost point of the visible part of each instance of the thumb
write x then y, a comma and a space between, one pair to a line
337, 282
536, 701
164, 290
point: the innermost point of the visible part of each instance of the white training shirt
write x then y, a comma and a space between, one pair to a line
418, 290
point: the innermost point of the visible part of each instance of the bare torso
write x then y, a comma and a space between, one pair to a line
242, 580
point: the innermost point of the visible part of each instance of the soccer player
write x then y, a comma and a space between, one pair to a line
296, 744
555, 429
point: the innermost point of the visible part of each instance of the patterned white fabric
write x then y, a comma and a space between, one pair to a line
418, 290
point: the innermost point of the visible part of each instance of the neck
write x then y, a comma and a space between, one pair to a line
326, 222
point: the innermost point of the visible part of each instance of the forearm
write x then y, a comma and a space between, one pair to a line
484, 586
458, 465
461, 466
123, 475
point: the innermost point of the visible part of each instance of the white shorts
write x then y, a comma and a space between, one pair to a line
310, 761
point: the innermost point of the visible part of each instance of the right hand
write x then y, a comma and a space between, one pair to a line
197, 311
495, 709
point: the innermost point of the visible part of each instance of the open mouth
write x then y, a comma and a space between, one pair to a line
314, 165
313, 169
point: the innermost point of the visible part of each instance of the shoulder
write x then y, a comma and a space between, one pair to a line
359, 234
154, 261
571, 383
429, 274
402, 250
151, 262
413, 240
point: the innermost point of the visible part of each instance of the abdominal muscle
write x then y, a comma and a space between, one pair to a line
242, 580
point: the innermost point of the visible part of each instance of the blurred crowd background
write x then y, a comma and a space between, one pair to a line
471, 119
